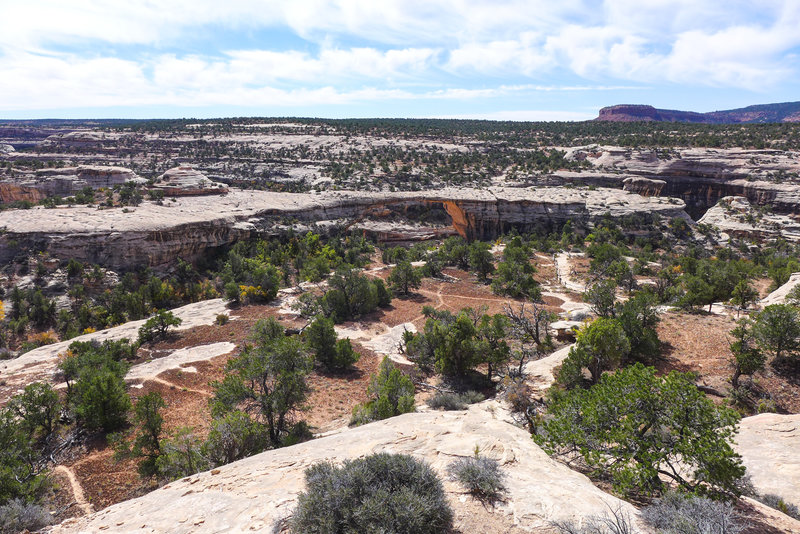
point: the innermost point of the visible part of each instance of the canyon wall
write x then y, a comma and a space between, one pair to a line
156, 234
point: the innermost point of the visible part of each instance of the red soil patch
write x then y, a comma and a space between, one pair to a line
700, 343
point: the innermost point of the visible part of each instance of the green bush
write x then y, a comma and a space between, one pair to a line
232, 437
479, 475
157, 326
381, 493
454, 401
21, 476
331, 353
267, 380
37, 407
100, 400
634, 426
404, 277
390, 392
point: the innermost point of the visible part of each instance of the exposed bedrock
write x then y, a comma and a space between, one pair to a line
155, 235
700, 177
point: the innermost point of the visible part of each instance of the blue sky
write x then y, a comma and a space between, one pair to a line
501, 59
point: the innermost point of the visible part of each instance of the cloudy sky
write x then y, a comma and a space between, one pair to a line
495, 59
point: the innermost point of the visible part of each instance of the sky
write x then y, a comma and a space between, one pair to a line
494, 59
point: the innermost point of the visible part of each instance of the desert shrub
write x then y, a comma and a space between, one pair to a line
382, 293
777, 502
233, 437
19, 515
21, 475
615, 521
479, 475
601, 346
381, 493
634, 426
331, 353
454, 401
157, 326
267, 380
38, 406
404, 277
100, 400
146, 445
676, 513
514, 274
222, 319
390, 393
181, 455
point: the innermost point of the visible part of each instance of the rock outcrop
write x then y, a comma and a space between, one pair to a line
258, 493
186, 180
643, 186
779, 295
65, 182
737, 218
698, 176
155, 235
768, 444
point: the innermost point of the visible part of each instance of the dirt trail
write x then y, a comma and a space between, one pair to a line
77, 489
179, 387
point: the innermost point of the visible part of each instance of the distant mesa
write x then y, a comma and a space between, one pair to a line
763, 113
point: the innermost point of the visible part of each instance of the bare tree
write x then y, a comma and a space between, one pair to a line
529, 326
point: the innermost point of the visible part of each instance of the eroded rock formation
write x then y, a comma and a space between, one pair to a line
156, 235
186, 180
65, 181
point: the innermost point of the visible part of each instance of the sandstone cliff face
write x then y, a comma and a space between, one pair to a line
66, 181
736, 217
156, 235
700, 177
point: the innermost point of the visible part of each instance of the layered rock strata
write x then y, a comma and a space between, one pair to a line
65, 181
700, 177
156, 234
185, 180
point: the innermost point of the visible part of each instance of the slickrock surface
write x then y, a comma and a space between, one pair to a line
256, 493
41, 363
156, 235
176, 360
779, 295
769, 445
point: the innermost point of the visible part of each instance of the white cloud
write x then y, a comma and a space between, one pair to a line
405, 49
